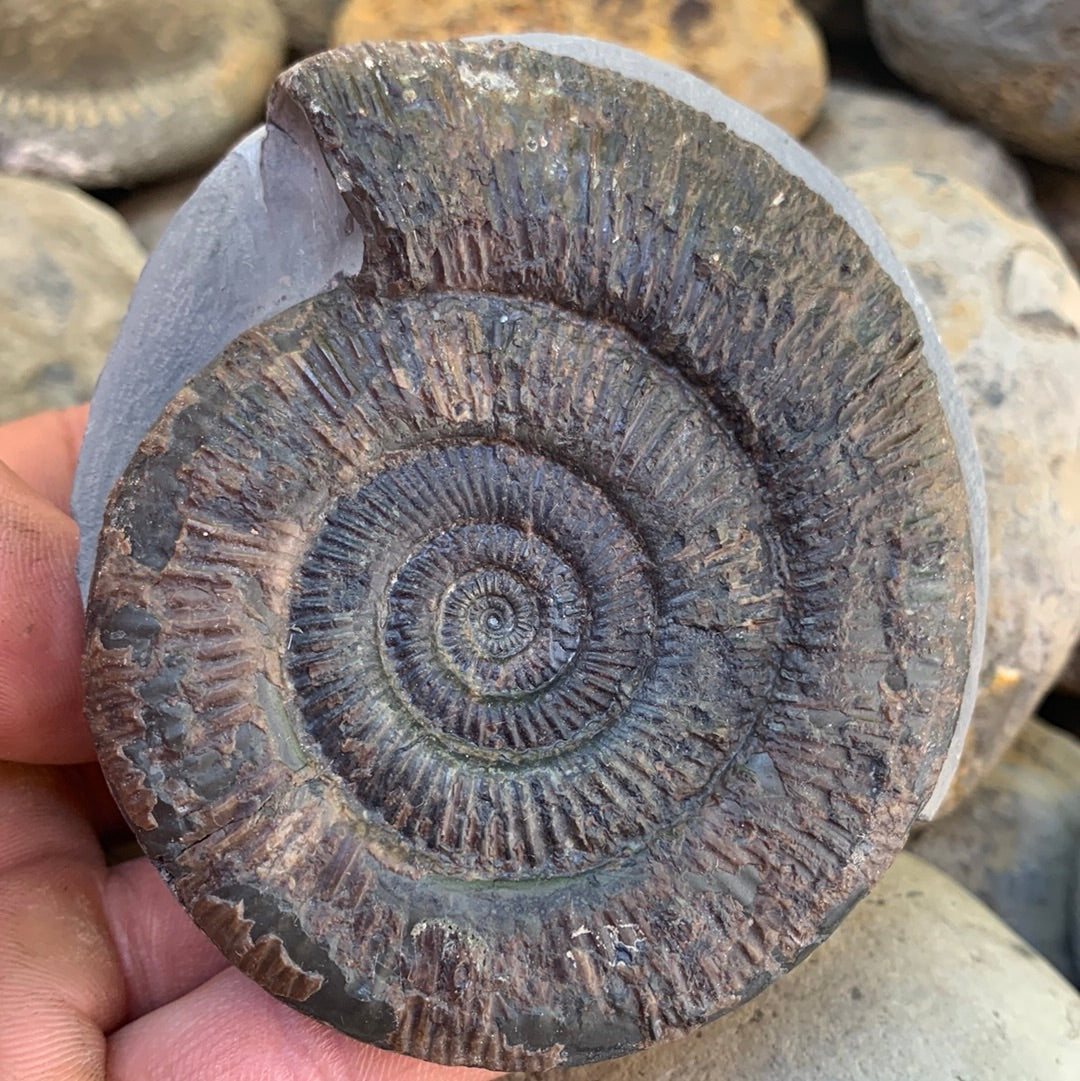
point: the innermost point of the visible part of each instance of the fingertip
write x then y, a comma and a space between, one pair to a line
163, 954
42, 450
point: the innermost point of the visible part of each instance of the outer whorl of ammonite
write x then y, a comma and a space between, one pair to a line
530, 647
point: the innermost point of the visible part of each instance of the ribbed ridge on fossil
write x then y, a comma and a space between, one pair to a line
545, 635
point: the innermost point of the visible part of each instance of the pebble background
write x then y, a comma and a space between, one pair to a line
1013, 843
959, 126
67, 266
767, 54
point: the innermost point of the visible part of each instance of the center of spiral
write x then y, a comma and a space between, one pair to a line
508, 619
493, 610
497, 605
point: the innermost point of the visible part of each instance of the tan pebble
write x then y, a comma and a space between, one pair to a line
1005, 679
67, 267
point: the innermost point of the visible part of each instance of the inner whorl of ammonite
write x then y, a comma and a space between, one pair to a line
520, 616
497, 634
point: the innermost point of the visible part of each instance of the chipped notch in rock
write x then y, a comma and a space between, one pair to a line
1039, 290
291, 235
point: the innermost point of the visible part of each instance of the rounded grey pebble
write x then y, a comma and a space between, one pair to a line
1013, 68
1013, 842
68, 264
119, 92
863, 128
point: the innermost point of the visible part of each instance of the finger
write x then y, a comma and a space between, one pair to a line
61, 983
42, 450
87, 784
60, 979
231, 1028
40, 631
82, 949
163, 954
40, 819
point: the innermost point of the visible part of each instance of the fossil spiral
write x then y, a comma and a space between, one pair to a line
528, 645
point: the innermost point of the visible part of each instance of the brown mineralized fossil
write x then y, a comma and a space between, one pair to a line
525, 641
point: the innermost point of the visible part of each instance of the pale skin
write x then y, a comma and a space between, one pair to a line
102, 975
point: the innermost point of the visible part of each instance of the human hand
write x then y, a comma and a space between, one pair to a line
102, 974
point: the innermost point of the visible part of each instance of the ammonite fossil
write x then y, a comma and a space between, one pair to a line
548, 612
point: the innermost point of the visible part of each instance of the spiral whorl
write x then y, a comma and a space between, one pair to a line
532, 646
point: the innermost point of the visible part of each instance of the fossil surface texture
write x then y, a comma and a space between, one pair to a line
526, 631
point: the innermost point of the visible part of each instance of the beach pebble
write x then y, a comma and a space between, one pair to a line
1014, 68
1074, 928
68, 264
123, 91
1068, 681
1013, 842
863, 128
767, 54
